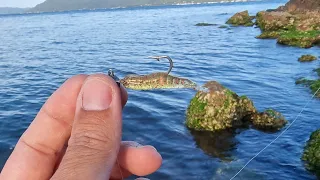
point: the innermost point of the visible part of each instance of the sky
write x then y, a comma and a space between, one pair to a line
20, 3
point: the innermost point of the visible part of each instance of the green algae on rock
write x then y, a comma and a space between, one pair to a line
205, 24
218, 109
314, 85
299, 38
269, 120
307, 58
269, 35
241, 19
311, 154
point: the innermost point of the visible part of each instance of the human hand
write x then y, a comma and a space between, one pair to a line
77, 135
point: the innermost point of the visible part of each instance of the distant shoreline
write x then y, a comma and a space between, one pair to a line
126, 7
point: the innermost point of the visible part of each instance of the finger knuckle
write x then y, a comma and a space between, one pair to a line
92, 139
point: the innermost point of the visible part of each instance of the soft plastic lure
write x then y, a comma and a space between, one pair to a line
160, 80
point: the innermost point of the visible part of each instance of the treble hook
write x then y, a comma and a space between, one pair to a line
161, 57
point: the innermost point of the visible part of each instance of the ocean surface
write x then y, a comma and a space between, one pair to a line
38, 52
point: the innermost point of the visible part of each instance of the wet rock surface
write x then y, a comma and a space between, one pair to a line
205, 24
311, 154
314, 85
219, 108
269, 120
241, 19
307, 58
295, 24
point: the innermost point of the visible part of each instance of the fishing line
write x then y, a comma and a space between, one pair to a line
276, 137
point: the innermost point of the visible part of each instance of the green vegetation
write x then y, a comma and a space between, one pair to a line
196, 112
269, 35
314, 85
205, 24
241, 19
307, 58
311, 154
304, 39
299, 38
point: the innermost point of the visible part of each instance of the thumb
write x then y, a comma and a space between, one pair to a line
96, 133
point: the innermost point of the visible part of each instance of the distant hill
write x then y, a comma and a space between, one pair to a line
65, 5
9, 10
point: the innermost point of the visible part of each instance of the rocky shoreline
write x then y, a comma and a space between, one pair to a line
297, 24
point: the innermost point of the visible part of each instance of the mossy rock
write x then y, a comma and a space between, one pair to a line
307, 58
269, 35
274, 21
311, 154
298, 38
217, 108
241, 19
269, 120
314, 85
205, 24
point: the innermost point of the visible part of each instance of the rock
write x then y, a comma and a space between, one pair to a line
317, 71
314, 85
274, 21
205, 24
311, 154
307, 58
299, 38
295, 24
301, 5
269, 35
217, 108
241, 19
269, 120
223, 26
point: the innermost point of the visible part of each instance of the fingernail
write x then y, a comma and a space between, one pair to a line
96, 95
133, 144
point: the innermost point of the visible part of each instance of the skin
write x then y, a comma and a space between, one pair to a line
75, 137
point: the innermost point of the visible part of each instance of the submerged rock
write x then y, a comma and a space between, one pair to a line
241, 19
311, 154
307, 58
223, 26
317, 71
269, 120
217, 109
205, 24
314, 85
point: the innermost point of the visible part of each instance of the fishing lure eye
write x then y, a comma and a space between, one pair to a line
114, 77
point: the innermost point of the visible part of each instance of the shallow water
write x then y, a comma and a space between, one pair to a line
38, 52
